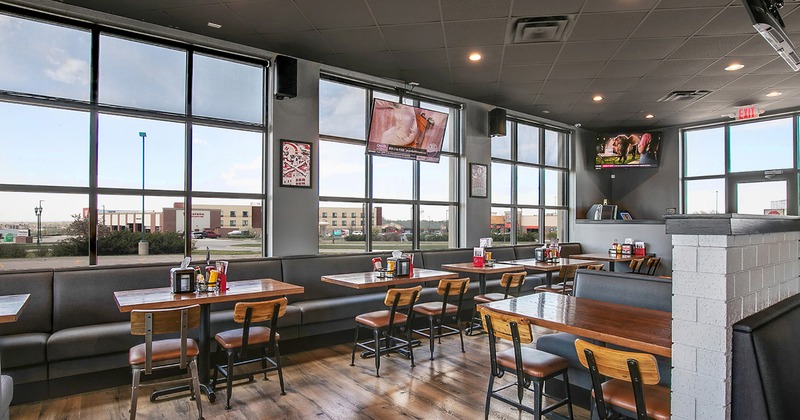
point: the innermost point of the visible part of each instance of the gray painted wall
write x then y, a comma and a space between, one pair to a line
596, 237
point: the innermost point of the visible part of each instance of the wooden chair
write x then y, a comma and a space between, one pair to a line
237, 343
507, 282
567, 275
598, 267
385, 322
438, 312
636, 265
634, 384
529, 365
652, 265
165, 353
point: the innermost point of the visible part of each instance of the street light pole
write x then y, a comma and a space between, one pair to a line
38, 211
144, 248
716, 202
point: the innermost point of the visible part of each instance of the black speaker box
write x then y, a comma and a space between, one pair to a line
285, 77
497, 122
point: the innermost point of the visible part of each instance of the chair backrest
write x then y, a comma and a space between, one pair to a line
511, 280
404, 297
164, 321
262, 311
567, 272
636, 265
500, 325
636, 368
652, 265
598, 267
457, 286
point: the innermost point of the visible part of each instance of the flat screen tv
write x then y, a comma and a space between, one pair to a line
639, 149
405, 132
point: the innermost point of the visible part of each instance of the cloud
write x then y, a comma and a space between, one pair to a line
246, 176
66, 69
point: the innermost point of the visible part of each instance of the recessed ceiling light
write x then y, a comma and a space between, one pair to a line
214, 25
597, 98
648, 116
475, 57
734, 67
774, 93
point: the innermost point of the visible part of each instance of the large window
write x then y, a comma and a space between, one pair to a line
529, 184
748, 168
407, 204
175, 152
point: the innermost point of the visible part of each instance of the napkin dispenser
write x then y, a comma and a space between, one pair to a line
539, 254
182, 280
402, 266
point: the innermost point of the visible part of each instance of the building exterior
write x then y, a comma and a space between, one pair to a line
346, 220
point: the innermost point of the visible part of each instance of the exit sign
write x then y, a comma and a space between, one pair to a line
748, 112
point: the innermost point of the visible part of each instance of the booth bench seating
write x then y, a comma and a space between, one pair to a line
71, 333
623, 288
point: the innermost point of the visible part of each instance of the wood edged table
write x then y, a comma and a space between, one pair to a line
11, 306
468, 267
637, 328
610, 258
548, 268
163, 298
370, 279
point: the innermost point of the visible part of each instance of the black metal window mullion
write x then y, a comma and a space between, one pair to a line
93, 145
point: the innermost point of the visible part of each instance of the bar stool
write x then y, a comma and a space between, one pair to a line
567, 275
167, 353
385, 321
634, 384
652, 265
531, 366
507, 282
237, 342
636, 265
438, 313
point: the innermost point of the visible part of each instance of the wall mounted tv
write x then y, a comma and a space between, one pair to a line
405, 132
640, 149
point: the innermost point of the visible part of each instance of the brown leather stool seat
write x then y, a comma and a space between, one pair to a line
163, 350
434, 308
489, 297
620, 394
380, 319
535, 363
234, 338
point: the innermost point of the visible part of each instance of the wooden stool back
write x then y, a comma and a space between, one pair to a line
614, 363
598, 267
500, 325
636, 265
406, 296
457, 286
262, 311
511, 280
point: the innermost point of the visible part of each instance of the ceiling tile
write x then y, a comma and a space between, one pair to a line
588, 51
681, 67
625, 69
299, 44
195, 19
647, 49
422, 59
576, 71
355, 40
531, 53
388, 12
643, 96
427, 77
475, 74
476, 33
756, 45
729, 95
776, 66
564, 86
459, 57
612, 85
346, 13
563, 99
707, 83
414, 37
530, 88
470, 10
660, 84
270, 16
545, 7
372, 63
685, 4
666, 23
751, 63
617, 5
732, 21
604, 26
524, 73
708, 47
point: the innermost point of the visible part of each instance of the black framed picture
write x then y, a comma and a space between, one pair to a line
478, 174
295, 164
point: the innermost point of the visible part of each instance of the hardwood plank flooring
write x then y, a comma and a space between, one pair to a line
321, 384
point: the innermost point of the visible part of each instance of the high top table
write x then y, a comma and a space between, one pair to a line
162, 298
468, 267
548, 267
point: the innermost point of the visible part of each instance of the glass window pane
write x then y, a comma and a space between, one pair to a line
501, 183
527, 143
705, 152
240, 233
705, 196
762, 145
44, 146
527, 185
527, 226
555, 224
555, 148
44, 59
501, 145
555, 185
142, 75
450, 139
434, 227
227, 160
765, 197
60, 228
393, 227
227, 89
341, 169
392, 178
342, 110
500, 224
387, 96
335, 238
436, 180
120, 153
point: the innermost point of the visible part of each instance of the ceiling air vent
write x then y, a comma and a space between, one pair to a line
537, 29
684, 95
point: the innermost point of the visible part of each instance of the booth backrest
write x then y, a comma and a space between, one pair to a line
308, 270
765, 363
650, 292
86, 296
570, 249
524, 252
37, 315
504, 253
434, 259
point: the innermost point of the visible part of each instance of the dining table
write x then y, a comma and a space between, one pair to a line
642, 329
163, 298
608, 257
548, 267
482, 271
372, 279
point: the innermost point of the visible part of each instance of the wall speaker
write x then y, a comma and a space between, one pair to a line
497, 122
285, 77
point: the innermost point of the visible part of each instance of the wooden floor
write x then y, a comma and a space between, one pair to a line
321, 384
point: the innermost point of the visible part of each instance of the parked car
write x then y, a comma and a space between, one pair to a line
210, 234
235, 234
197, 235
357, 232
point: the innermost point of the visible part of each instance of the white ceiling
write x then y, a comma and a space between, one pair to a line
632, 52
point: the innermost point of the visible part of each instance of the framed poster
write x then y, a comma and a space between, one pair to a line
478, 180
295, 164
